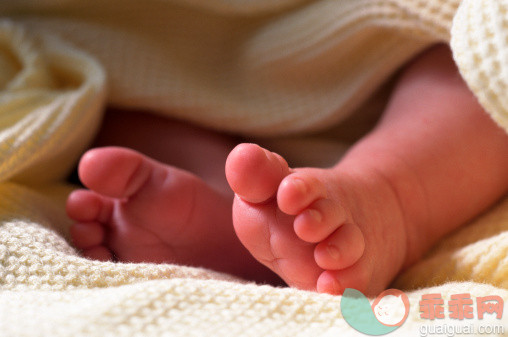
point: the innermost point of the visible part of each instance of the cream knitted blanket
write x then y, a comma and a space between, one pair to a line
263, 68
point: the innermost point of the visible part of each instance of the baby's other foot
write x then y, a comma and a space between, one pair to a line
140, 210
318, 229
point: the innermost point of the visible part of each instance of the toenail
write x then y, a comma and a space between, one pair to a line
333, 251
315, 215
299, 184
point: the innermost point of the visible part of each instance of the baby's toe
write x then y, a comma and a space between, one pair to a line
358, 276
99, 253
86, 206
341, 249
298, 190
319, 220
87, 234
255, 173
89, 237
114, 171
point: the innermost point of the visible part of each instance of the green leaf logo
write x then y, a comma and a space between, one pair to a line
387, 313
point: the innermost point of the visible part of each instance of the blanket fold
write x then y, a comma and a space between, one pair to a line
51, 105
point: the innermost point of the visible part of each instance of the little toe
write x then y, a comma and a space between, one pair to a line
87, 234
335, 282
297, 191
341, 249
114, 171
99, 253
328, 283
319, 220
255, 173
86, 206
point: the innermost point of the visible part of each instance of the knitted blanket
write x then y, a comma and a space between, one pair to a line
259, 68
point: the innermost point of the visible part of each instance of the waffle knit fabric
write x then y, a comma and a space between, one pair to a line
262, 68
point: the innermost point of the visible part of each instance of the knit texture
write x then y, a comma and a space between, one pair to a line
260, 68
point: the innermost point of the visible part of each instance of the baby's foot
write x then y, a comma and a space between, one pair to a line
318, 229
139, 210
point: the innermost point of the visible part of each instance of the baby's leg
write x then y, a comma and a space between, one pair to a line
138, 209
434, 161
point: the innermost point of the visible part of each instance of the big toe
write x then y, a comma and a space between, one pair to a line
255, 173
114, 171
